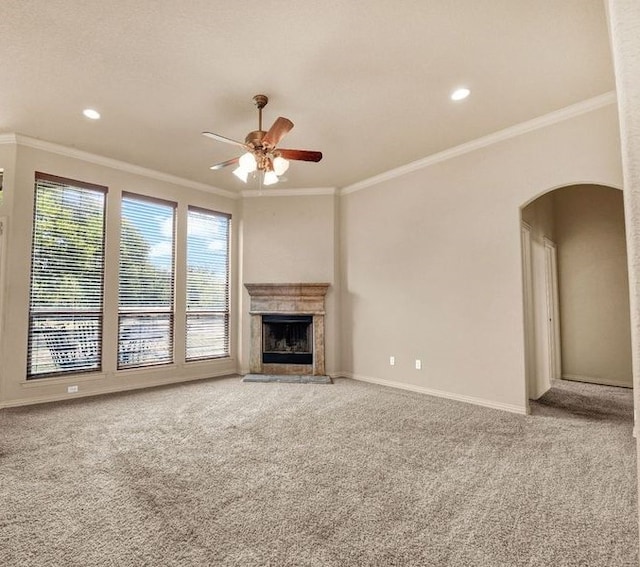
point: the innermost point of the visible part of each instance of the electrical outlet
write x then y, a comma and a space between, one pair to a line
392, 361
418, 364
72, 389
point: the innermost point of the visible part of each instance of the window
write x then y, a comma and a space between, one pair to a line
207, 333
67, 267
66, 309
147, 251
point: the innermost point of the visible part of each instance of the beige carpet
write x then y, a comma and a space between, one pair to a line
350, 474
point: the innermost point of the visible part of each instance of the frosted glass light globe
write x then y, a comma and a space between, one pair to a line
248, 162
270, 178
241, 174
280, 165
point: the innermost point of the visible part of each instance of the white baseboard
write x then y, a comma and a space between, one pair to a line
594, 380
112, 390
541, 392
437, 393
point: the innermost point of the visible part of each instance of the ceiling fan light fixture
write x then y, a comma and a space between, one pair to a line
261, 150
248, 162
270, 177
241, 173
280, 165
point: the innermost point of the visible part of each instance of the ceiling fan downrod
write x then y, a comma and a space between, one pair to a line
260, 101
254, 139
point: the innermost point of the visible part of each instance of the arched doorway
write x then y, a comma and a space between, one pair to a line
576, 294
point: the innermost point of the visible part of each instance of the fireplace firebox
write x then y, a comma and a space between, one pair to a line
287, 339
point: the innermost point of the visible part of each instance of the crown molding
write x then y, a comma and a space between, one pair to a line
312, 191
561, 115
8, 138
19, 139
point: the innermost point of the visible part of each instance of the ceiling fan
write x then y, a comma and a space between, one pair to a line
262, 154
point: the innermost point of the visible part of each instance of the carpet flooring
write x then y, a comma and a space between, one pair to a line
221, 472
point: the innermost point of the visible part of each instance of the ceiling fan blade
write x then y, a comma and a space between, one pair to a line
220, 138
301, 155
222, 164
278, 131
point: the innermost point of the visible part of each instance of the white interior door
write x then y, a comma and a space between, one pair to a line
540, 310
553, 309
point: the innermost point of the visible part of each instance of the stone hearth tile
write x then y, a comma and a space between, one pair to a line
289, 378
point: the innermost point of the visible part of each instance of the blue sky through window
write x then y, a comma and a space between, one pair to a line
207, 235
154, 222
207, 242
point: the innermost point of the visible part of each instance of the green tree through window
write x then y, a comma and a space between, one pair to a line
67, 266
67, 280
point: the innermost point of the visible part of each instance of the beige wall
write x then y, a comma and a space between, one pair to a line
539, 214
7, 162
594, 288
13, 347
424, 266
287, 240
624, 31
431, 261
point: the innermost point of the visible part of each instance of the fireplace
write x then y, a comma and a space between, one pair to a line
287, 329
287, 339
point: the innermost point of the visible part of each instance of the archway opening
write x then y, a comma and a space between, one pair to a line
576, 291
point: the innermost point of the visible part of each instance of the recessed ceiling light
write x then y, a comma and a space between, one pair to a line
460, 94
90, 113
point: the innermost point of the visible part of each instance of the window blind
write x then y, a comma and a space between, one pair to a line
146, 282
207, 327
67, 267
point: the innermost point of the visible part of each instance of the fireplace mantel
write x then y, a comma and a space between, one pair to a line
303, 298
287, 298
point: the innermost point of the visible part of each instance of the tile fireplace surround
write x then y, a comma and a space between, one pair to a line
287, 299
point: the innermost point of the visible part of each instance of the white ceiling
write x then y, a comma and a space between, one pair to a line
365, 82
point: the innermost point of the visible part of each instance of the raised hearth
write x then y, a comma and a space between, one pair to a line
287, 329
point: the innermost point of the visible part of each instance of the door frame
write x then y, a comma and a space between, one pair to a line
528, 312
3, 236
